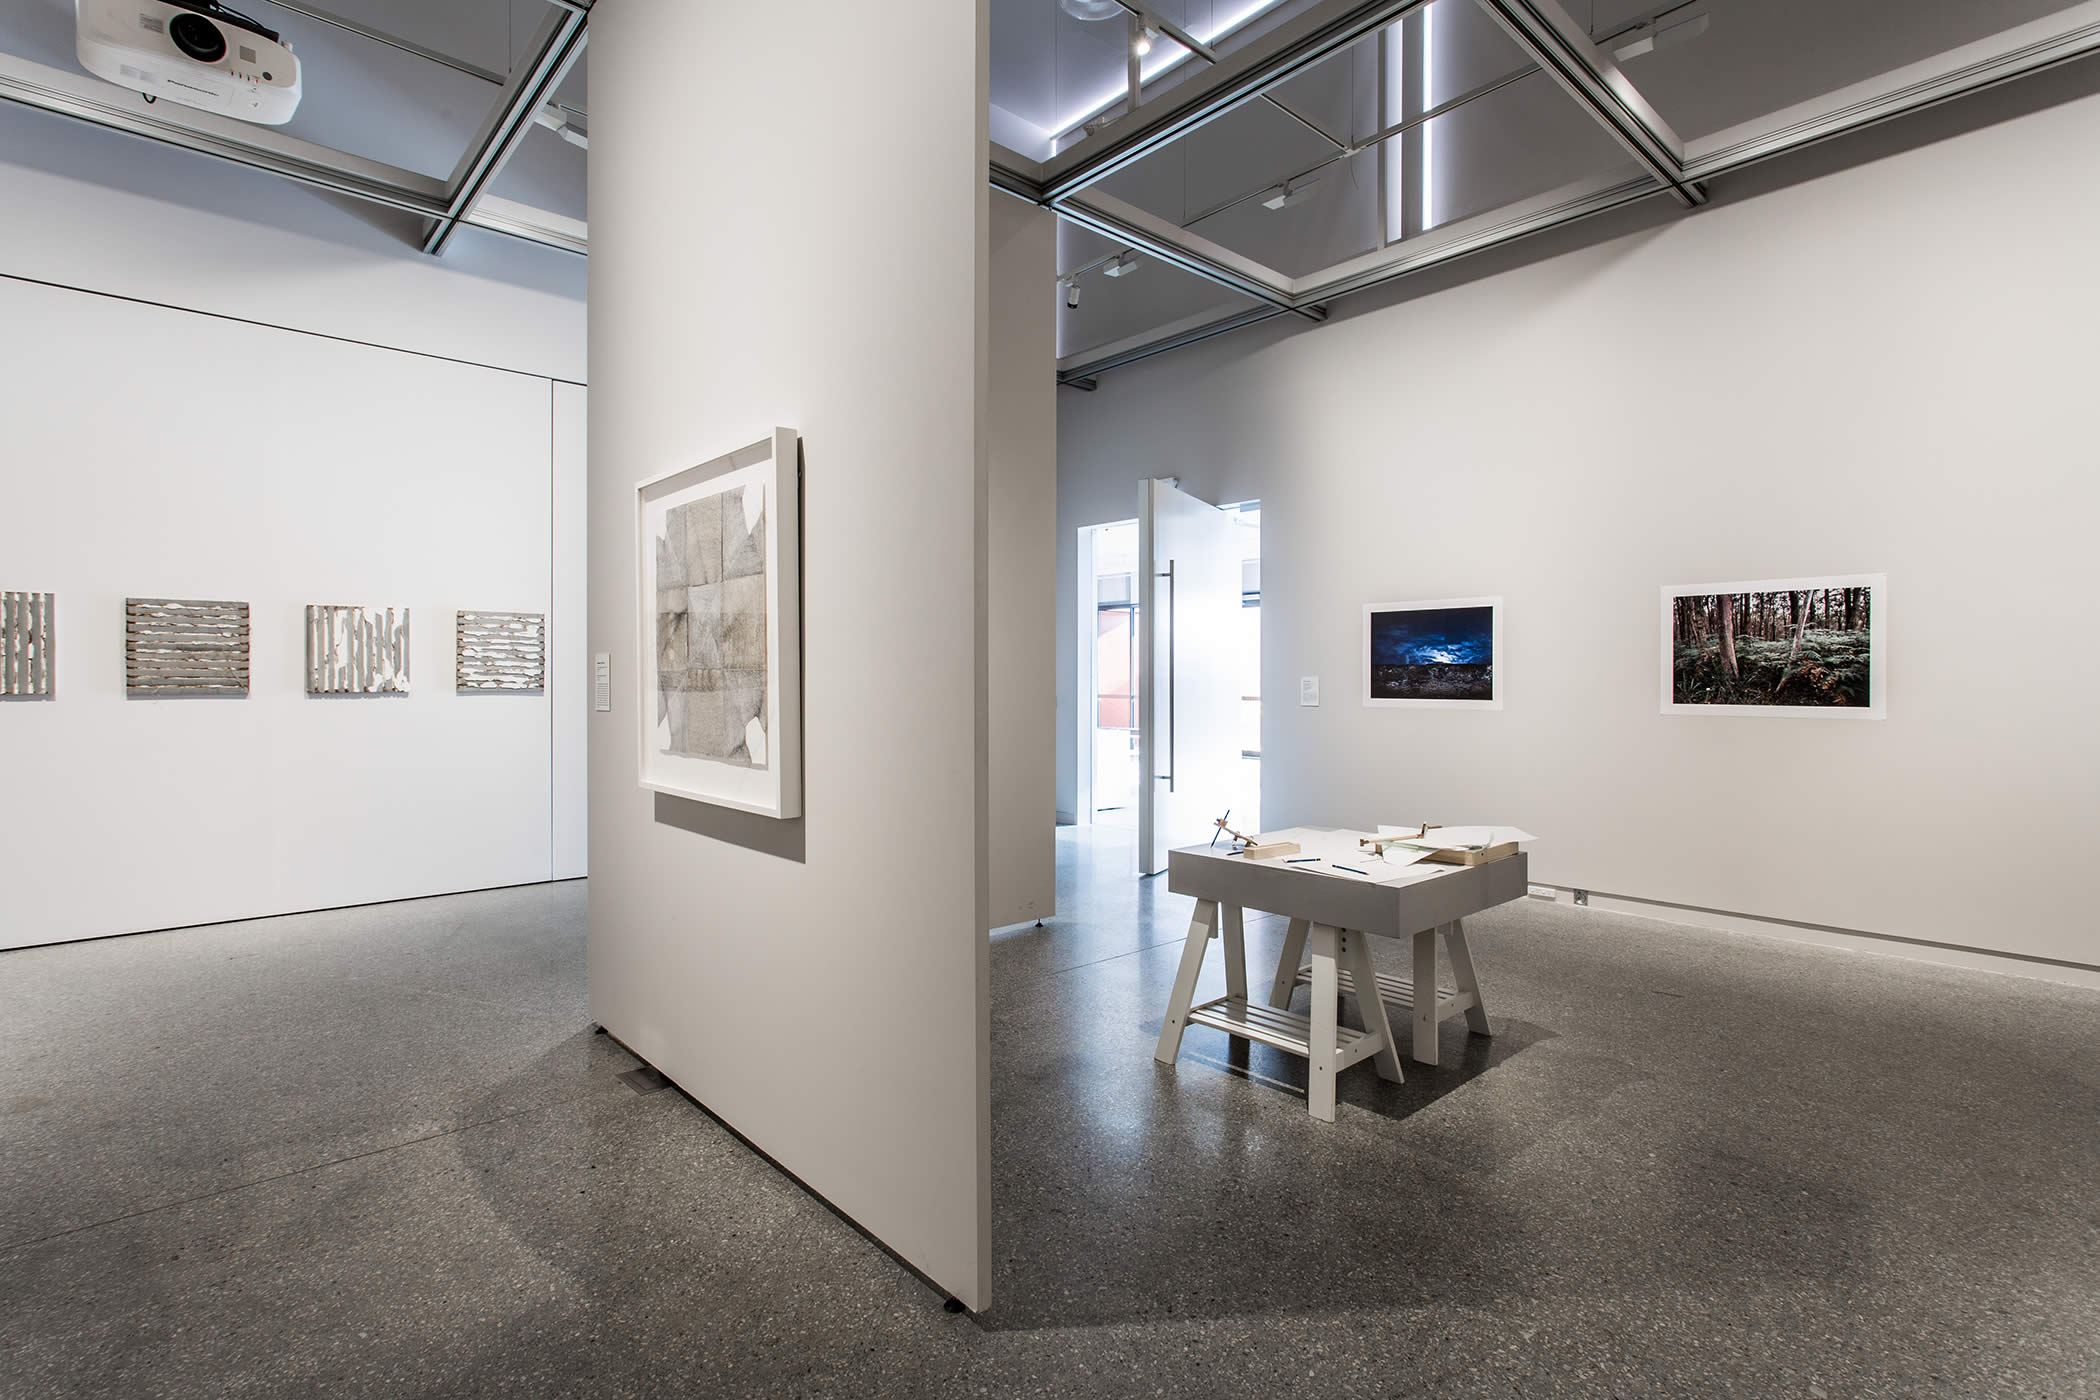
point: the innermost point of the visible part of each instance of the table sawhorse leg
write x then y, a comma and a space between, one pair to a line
1234, 937
1288, 961
1425, 994
1462, 974
1356, 956
1200, 928
1326, 995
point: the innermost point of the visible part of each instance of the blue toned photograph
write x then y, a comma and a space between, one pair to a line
1433, 654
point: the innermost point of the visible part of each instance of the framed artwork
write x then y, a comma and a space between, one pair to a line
718, 627
1798, 648
1445, 654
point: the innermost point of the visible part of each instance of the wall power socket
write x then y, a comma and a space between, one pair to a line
1542, 892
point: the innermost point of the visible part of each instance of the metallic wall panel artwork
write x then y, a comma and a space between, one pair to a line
356, 651
178, 646
502, 651
25, 646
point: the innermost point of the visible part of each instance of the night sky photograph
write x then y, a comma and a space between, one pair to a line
1433, 654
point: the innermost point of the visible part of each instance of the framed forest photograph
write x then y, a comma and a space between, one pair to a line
1798, 648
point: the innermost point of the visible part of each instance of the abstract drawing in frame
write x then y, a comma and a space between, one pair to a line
719, 629
184, 646
1802, 648
1444, 654
356, 651
501, 651
28, 665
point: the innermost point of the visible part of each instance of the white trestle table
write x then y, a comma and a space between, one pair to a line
1333, 911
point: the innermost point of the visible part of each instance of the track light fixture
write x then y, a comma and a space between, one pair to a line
1658, 34
561, 121
1290, 192
1141, 38
1122, 266
1071, 294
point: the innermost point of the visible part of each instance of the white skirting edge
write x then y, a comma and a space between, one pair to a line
2013, 966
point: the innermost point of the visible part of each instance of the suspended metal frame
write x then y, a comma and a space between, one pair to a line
1559, 46
1543, 28
447, 204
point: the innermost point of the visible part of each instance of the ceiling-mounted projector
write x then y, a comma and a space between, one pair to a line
196, 52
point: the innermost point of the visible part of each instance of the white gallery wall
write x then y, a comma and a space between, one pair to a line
821, 983
167, 439
1882, 369
1021, 654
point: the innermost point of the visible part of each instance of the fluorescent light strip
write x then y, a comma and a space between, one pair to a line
1428, 127
1171, 56
1393, 55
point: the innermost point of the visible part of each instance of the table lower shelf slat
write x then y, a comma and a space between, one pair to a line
1285, 1030
1398, 991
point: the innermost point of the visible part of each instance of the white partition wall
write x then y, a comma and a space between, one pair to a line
819, 983
154, 452
1021, 651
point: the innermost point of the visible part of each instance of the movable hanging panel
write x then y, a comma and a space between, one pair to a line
25, 646
175, 646
502, 651
356, 651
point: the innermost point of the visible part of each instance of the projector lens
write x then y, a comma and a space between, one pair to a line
198, 37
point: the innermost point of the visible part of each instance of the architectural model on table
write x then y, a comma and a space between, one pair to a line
356, 651
718, 578
181, 646
27, 669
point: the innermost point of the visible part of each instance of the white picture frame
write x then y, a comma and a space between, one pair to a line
734, 774
1367, 685
1877, 643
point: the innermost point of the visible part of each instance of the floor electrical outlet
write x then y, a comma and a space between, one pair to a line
1542, 892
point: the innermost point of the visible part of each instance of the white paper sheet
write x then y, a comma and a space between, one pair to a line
1458, 838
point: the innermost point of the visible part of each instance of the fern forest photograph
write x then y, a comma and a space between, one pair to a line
1810, 646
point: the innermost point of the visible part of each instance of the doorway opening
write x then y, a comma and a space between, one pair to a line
1246, 804
1109, 603
1110, 668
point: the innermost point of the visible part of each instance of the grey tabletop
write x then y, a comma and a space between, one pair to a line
1407, 900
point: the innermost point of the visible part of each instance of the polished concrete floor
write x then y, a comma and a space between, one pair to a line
379, 1152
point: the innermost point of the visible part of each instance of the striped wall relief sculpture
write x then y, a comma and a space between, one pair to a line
178, 646
26, 626
502, 651
356, 651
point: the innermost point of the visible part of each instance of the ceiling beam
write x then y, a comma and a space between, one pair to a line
1134, 228
557, 44
1087, 369
1562, 47
380, 36
88, 99
85, 99
1237, 78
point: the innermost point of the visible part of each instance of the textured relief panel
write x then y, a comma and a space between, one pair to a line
25, 646
356, 651
176, 646
502, 651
